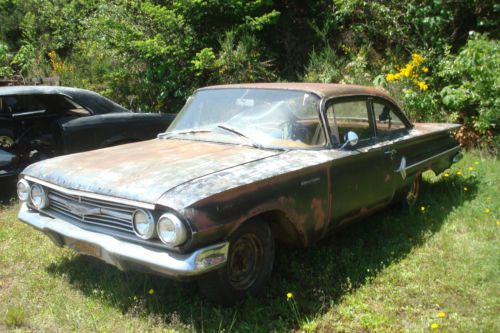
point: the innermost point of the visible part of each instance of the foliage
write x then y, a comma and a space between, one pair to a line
5, 69
472, 79
159, 51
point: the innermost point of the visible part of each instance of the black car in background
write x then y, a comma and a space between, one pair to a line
39, 122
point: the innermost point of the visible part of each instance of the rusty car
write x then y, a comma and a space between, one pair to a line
39, 122
240, 168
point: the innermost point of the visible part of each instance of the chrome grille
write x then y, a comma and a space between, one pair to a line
91, 211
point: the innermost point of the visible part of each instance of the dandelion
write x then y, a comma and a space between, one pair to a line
151, 291
442, 314
465, 189
487, 210
422, 209
446, 174
459, 173
289, 296
471, 169
425, 69
434, 326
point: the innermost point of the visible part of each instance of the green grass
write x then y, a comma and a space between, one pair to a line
394, 271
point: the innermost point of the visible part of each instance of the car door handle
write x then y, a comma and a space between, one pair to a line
391, 152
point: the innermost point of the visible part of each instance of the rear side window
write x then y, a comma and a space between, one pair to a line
386, 120
349, 116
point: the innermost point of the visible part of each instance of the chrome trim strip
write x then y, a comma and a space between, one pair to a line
91, 195
28, 113
126, 255
432, 157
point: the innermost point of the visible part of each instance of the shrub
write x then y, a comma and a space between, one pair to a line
472, 85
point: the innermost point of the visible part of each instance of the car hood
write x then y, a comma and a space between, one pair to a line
143, 171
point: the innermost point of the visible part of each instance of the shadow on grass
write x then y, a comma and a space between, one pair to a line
8, 190
318, 276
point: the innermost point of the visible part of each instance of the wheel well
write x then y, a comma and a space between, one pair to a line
283, 229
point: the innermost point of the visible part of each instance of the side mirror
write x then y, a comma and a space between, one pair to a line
350, 139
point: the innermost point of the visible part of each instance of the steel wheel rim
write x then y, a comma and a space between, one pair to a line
245, 261
6, 141
412, 195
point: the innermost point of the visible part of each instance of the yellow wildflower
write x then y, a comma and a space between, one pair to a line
476, 163
422, 85
466, 189
390, 77
151, 291
498, 222
446, 174
422, 209
487, 210
442, 314
425, 69
417, 59
459, 173
397, 76
434, 326
289, 296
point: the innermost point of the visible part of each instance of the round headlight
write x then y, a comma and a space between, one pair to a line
171, 230
23, 190
38, 196
144, 224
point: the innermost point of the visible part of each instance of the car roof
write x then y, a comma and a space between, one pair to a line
87, 98
326, 90
28, 90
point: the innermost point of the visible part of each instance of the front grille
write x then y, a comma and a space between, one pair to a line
91, 211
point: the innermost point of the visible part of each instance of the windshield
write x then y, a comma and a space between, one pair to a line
267, 118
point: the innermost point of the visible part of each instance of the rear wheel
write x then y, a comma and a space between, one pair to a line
248, 267
414, 191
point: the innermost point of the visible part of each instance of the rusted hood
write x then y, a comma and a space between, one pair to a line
143, 171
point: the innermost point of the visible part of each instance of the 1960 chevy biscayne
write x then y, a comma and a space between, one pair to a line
242, 166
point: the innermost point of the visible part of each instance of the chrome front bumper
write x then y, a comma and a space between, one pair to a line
126, 255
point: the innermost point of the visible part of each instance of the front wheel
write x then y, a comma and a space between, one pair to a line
248, 267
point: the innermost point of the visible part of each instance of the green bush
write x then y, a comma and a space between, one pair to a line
472, 84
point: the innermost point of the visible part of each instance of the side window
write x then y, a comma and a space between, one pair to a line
349, 116
386, 120
19, 104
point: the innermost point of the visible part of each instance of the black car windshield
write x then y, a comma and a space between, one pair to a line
268, 118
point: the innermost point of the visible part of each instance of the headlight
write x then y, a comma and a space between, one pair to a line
144, 224
23, 190
38, 196
171, 230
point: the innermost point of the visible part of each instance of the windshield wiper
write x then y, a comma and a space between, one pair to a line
167, 135
239, 133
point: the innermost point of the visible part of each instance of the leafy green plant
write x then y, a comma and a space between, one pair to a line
472, 80
5, 69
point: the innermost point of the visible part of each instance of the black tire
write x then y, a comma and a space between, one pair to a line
6, 138
248, 267
414, 191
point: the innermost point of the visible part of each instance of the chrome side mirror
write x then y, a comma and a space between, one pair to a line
350, 139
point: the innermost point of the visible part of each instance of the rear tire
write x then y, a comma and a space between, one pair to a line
414, 191
248, 268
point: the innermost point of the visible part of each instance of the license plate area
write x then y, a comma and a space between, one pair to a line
85, 248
